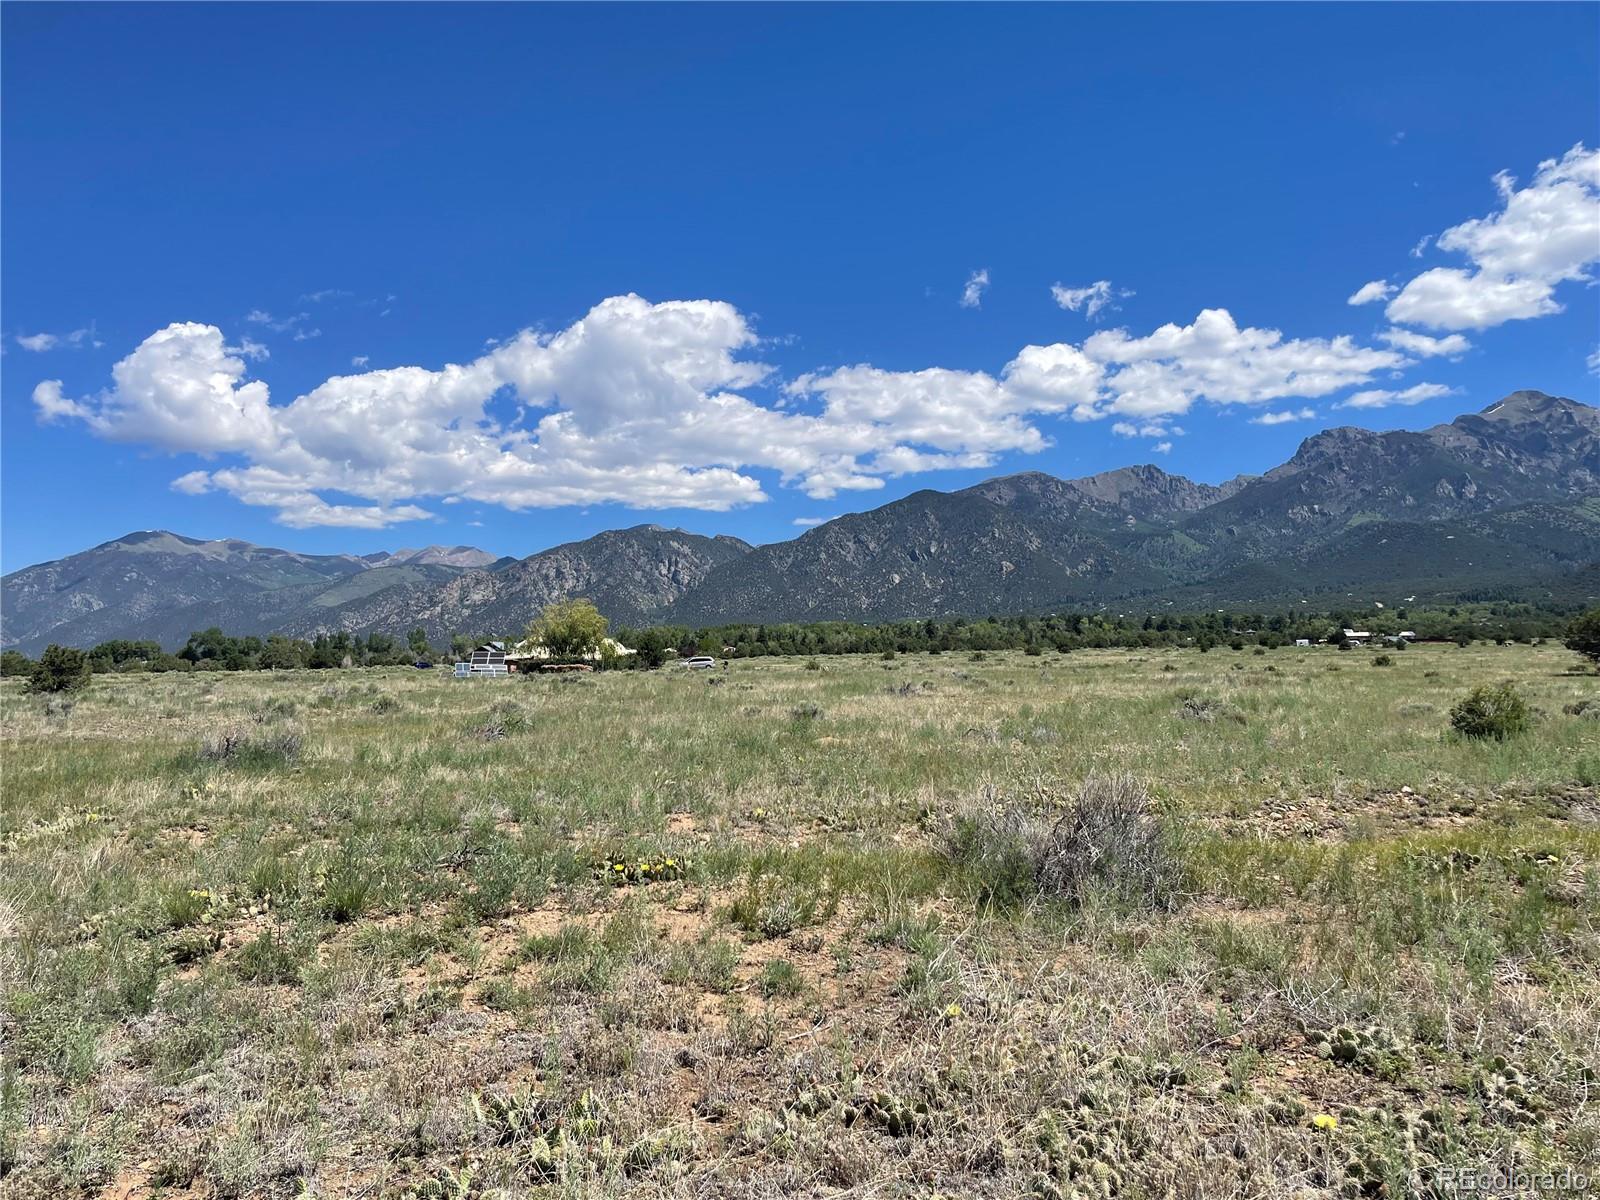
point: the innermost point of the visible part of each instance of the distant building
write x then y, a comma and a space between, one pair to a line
1358, 637
487, 659
1302, 641
529, 656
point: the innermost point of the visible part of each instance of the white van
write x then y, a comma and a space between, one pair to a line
700, 662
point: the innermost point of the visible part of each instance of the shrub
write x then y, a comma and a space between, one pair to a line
1490, 711
235, 747
1383, 660
1207, 710
60, 669
1111, 839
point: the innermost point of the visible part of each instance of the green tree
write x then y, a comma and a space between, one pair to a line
1583, 635
417, 642
282, 654
60, 669
572, 629
15, 662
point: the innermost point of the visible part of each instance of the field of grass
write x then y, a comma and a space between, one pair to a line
773, 931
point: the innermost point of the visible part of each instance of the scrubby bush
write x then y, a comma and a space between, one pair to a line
1207, 709
238, 748
1383, 660
15, 663
1110, 840
1490, 711
60, 669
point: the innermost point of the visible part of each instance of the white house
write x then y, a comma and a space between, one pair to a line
526, 653
1359, 637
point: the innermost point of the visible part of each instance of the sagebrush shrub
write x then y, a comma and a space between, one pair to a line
1490, 711
1110, 839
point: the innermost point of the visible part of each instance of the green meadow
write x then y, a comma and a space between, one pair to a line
1100, 924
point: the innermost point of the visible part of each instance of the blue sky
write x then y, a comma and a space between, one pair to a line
706, 265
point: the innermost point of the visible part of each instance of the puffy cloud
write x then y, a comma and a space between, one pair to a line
1092, 300
1422, 346
972, 293
1283, 418
180, 390
645, 404
359, 361
1055, 378
1213, 359
1378, 289
1162, 447
1545, 234
1411, 395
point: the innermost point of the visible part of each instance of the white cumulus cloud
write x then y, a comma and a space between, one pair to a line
180, 390
1544, 235
660, 406
1213, 359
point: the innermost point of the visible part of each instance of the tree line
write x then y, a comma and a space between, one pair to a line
573, 629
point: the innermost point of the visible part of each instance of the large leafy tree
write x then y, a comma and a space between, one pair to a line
571, 629
1583, 635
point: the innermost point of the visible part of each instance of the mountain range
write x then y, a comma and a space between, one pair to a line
1502, 503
